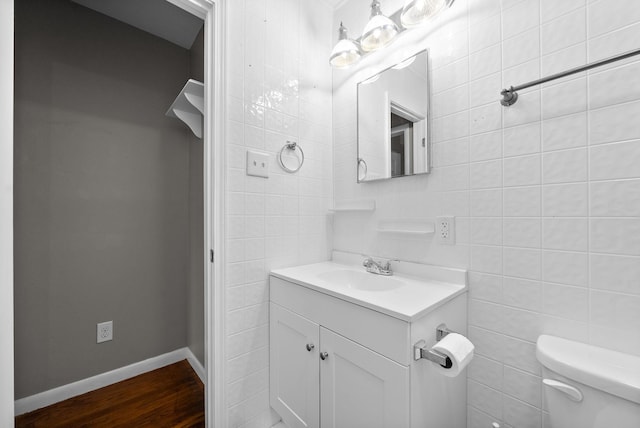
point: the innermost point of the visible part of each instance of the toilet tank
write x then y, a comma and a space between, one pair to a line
587, 386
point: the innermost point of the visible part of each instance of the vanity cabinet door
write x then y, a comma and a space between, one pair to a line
294, 372
360, 388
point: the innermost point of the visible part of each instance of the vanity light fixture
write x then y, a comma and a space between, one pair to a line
346, 52
416, 12
379, 31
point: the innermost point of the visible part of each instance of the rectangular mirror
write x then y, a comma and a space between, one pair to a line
393, 121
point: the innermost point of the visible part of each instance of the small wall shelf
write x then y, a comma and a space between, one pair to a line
406, 231
189, 106
408, 228
353, 206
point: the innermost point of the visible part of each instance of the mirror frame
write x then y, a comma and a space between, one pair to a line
427, 119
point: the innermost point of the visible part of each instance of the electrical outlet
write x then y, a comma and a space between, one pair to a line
105, 331
446, 230
257, 164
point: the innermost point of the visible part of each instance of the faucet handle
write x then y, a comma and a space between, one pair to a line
387, 264
383, 263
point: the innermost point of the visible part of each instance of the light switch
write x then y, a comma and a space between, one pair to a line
257, 164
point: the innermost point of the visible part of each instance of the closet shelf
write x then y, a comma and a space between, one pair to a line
354, 206
189, 106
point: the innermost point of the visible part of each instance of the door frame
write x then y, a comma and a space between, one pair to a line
6, 213
213, 14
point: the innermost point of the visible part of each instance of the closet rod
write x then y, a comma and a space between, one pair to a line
510, 96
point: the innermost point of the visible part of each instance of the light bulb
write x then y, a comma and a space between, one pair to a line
346, 52
379, 31
415, 12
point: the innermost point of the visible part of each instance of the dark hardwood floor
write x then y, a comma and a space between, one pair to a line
172, 396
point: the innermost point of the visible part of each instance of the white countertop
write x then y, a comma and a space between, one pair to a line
419, 294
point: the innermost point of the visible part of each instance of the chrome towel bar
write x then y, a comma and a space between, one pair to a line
510, 96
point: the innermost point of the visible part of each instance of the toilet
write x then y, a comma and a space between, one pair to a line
587, 386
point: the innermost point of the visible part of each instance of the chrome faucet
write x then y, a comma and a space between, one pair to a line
379, 268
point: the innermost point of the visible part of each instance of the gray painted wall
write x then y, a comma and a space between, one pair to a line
195, 312
102, 185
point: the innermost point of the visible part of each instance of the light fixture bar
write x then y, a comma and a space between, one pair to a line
396, 18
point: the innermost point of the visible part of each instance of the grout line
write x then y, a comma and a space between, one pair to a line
588, 143
541, 167
502, 175
468, 163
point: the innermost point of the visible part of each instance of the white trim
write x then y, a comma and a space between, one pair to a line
6, 213
199, 8
216, 408
213, 13
196, 366
64, 392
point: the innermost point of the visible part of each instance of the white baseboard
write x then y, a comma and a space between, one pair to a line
195, 364
64, 392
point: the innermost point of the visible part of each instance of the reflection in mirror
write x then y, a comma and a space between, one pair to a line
393, 121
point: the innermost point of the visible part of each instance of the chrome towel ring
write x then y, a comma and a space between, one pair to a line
291, 145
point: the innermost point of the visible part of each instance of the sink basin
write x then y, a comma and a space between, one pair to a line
413, 290
361, 280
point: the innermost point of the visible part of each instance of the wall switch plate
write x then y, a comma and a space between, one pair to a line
446, 230
105, 331
257, 164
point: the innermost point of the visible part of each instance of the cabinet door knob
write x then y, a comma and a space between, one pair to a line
324, 355
310, 346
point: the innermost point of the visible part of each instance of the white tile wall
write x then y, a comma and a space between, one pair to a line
278, 89
546, 193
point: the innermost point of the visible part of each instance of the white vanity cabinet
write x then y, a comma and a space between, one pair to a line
336, 363
359, 387
322, 379
294, 372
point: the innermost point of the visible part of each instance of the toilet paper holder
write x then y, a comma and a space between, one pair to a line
420, 350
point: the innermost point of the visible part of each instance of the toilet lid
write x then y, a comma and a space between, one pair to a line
610, 371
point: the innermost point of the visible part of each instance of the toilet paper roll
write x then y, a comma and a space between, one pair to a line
459, 349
